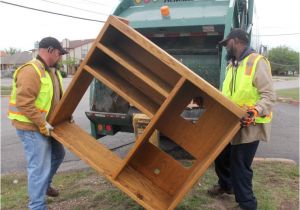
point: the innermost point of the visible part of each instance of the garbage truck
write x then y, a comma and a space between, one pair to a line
189, 30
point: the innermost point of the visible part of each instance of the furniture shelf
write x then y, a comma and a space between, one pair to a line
137, 69
160, 87
132, 46
124, 89
85, 146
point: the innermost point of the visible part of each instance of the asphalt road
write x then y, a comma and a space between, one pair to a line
284, 141
12, 156
284, 138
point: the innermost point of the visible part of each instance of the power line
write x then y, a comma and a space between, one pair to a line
65, 5
54, 13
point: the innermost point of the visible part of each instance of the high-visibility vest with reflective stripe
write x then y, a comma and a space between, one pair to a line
44, 98
238, 85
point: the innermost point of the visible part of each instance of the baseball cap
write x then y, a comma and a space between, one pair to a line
52, 42
236, 33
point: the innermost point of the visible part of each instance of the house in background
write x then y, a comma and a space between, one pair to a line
8, 63
2, 54
77, 49
11, 62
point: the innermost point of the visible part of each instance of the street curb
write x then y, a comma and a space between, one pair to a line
294, 102
288, 100
281, 160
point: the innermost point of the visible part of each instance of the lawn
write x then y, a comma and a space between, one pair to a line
288, 93
275, 185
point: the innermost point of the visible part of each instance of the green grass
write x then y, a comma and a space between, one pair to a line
5, 90
288, 93
275, 186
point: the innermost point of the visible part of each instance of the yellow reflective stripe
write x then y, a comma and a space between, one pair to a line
18, 69
42, 105
37, 65
41, 68
37, 69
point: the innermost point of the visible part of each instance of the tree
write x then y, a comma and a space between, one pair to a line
70, 64
284, 60
12, 51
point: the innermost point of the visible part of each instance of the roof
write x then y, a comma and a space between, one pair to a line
78, 43
2, 53
17, 59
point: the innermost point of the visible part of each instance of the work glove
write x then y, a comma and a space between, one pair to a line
249, 118
45, 128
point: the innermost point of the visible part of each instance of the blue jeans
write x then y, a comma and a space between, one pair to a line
44, 155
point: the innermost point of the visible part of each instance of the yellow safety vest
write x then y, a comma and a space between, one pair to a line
238, 85
44, 98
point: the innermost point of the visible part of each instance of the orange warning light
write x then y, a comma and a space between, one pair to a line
165, 11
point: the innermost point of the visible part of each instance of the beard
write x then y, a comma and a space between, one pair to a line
230, 55
56, 65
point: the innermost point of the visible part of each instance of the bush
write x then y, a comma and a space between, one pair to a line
63, 74
284, 61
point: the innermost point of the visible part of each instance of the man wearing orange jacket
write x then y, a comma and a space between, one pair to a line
37, 89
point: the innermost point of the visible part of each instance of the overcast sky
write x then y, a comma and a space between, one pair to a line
20, 28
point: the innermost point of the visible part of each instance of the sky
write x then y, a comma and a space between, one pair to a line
21, 28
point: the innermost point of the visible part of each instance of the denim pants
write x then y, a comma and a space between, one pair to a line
44, 155
233, 167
